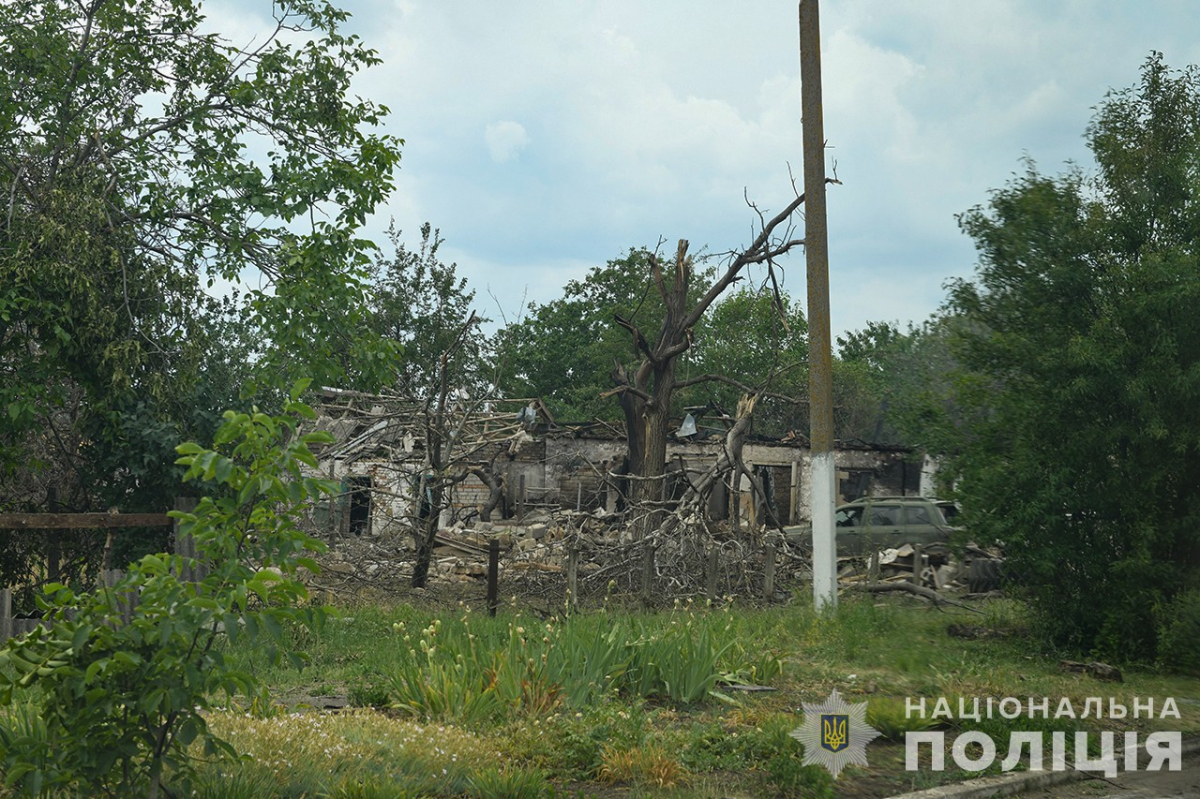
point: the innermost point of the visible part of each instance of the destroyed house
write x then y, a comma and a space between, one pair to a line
379, 457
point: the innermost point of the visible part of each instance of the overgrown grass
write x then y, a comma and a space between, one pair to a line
611, 702
470, 668
633, 698
356, 753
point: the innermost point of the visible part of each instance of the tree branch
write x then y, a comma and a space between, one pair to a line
627, 389
740, 261
639, 340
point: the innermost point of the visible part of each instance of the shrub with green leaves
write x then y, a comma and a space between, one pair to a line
1179, 630
120, 704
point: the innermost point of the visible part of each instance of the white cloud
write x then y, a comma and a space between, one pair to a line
639, 120
505, 140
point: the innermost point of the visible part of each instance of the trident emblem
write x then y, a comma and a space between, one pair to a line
834, 731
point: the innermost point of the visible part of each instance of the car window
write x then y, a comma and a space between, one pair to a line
884, 516
849, 517
917, 514
949, 511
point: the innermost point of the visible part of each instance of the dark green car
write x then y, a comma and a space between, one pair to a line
873, 524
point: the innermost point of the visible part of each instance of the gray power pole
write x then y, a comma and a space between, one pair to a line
816, 250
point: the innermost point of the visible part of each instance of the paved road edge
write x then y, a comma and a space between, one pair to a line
1013, 784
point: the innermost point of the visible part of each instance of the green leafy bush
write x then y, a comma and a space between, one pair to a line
1179, 634
123, 703
1070, 424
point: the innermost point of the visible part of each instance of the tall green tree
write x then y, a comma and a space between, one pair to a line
443, 377
145, 160
564, 350
894, 387
420, 303
751, 338
628, 331
1079, 438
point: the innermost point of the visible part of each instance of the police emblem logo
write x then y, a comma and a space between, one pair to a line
835, 734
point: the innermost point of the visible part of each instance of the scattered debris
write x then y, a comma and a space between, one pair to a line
916, 590
1101, 671
974, 631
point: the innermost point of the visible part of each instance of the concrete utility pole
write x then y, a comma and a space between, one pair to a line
816, 250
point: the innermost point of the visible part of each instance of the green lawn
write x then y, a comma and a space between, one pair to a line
613, 703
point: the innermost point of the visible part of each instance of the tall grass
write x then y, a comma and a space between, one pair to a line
474, 671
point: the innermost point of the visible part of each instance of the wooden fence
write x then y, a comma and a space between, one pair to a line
126, 602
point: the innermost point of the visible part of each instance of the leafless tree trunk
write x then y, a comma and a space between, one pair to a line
440, 434
645, 394
495, 485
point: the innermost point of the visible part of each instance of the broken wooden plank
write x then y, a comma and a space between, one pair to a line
67, 521
443, 540
535, 566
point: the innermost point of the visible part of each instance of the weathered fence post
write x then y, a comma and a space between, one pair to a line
873, 568
6, 619
647, 572
572, 576
185, 545
769, 574
918, 564
493, 575
521, 498
126, 601
53, 544
710, 574
794, 512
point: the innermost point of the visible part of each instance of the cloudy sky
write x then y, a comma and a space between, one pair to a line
544, 137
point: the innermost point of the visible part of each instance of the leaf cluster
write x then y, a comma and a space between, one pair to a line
1079, 439
146, 162
123, 691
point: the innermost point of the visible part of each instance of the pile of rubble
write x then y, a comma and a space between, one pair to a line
535, 553
980, 571
538, 543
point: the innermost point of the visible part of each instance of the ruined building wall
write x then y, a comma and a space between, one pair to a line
563, 472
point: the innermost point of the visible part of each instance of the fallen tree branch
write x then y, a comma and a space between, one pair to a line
916, 590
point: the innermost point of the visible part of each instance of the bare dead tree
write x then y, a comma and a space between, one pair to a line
495, 485
645, 392
438, 476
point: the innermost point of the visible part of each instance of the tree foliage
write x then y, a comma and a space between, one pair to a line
121, 703
894, 387
143, 161
562, 351
420, 303
1078, 438
755, 338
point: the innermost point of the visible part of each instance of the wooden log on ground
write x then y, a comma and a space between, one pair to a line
1101, 671
916, 590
